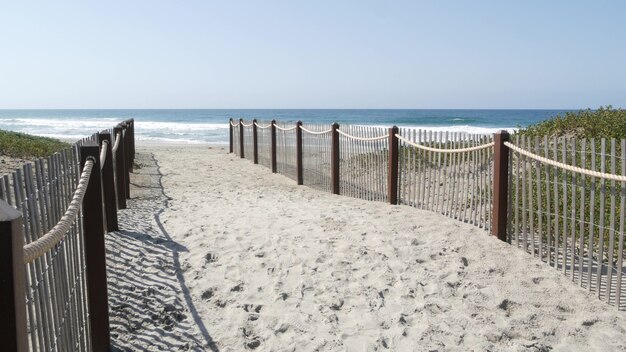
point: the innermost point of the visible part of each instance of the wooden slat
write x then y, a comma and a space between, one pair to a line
564, 194
524, 198
530, 201
573, 226
609, 278
556, 203
423, 169
622, 221
540, 232
581, 220
548, 234
592, 214
600, 265
473, 212
452, 210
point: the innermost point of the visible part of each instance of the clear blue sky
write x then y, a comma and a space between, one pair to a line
313, 54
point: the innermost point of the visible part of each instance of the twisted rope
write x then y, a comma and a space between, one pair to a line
262, 127
234, 124
103, 153
118, 136
244, 125
440, 150
580, 170
285, 129
43, 244
362, 138
315, 132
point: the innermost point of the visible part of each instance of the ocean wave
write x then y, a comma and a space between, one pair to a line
180, 126
452, 128
77, 123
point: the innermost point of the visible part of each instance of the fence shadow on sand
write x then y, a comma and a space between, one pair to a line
150, 304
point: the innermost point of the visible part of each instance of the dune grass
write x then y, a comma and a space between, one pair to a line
605, 122
21, 145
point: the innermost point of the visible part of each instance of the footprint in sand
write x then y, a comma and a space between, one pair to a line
207, 294
507, 306
210, 257
237, 288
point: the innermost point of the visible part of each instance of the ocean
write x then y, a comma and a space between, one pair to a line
211, 126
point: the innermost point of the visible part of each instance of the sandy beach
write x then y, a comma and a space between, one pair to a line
218, 254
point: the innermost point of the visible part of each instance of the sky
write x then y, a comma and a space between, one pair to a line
312, 54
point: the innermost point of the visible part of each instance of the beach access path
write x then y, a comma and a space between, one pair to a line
218, 254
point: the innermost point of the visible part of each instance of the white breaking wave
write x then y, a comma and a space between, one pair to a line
458, 129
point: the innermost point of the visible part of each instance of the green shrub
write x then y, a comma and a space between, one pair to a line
605, 122
21, 145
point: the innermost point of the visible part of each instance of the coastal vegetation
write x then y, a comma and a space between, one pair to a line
605, 122
22, 145
591, 139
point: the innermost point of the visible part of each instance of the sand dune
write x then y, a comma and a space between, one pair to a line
227, 256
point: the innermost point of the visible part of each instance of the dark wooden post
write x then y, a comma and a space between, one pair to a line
255, 150
230, 134
334, 161
95, 257
13, 328
392, 176
128, 134
127, 161
500, 185
241, 147
120, 167
132, 139
273, 129
299, 169
108, 184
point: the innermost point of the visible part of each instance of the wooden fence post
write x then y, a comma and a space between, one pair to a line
120, 167
230, 134
13, 328
334, 161
127, 161
299, 169
392, 176
95, 257
132, 139
108, 184
128, 147
500, 185
255, 144
273, 129
241, 146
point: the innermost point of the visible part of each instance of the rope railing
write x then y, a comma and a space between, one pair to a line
315, 132
285, 129
362, 138
46, 242
234, 124
580, 170
103, 153
118, 137
262, 127
248, 125
443, 150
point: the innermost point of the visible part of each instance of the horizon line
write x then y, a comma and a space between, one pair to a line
60, 109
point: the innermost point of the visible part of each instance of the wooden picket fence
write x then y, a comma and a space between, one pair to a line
561, 199
54, 214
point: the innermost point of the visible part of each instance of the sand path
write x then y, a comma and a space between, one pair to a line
252, 261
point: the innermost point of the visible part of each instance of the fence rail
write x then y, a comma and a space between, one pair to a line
54, 214
561, 200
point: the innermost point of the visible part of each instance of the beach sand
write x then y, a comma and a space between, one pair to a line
215, 253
